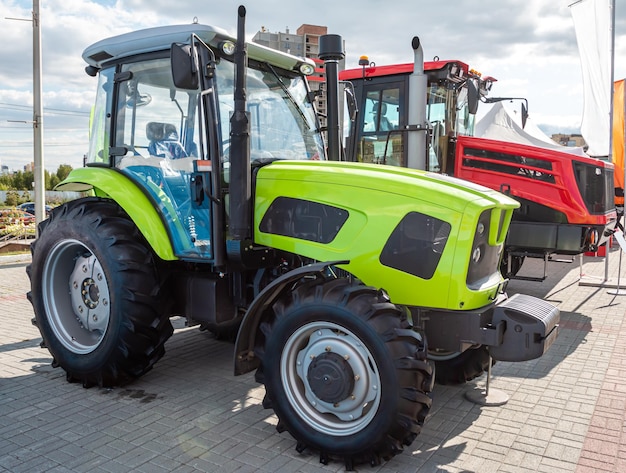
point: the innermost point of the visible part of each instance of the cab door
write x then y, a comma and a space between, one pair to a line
156, 136
376, 135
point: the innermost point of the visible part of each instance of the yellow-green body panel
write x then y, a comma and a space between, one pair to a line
105, 182
377, 198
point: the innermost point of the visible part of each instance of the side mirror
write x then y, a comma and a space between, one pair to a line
524, 114
350, 98
472, 97
184, 62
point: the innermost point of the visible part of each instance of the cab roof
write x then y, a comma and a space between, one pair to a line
406, 68
160, 38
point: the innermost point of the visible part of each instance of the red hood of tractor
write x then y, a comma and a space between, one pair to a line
580, 189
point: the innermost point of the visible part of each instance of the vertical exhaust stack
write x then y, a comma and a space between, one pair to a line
418, 88
240, 174
331, 52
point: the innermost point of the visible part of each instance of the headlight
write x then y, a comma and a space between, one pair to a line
228, 47
307, 69
477, 254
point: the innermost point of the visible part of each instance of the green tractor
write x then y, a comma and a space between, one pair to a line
210, 196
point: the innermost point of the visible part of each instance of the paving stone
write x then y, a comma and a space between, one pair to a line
566, 411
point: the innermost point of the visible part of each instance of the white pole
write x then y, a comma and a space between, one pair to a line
40, 193
611, 96
612, 85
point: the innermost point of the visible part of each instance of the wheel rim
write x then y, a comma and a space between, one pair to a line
331, 379
76, 296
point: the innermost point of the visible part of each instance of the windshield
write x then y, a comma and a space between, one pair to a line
154, 119
448, 115
282, 119
438, 114
464, 119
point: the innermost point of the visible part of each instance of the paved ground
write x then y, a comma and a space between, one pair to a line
566, 410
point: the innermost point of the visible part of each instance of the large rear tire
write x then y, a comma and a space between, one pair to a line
95, 293
344, 372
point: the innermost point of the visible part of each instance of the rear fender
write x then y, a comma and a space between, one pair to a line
105, 182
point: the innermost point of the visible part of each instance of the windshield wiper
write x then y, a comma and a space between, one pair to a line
289, 96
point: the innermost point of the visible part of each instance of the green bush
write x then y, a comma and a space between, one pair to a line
12, 199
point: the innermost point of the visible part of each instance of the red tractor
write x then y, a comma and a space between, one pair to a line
422, 115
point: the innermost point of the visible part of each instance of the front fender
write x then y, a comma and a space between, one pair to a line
245, 360
106, 182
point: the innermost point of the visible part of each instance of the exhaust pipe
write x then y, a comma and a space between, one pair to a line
331, 52
240, 174
418, 88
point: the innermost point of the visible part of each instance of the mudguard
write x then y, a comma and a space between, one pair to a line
245, 360
109, 183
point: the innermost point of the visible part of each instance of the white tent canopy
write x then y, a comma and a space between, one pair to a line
500, 124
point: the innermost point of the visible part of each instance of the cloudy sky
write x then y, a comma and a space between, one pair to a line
528, 45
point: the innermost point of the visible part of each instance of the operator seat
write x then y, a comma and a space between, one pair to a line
385, 124
164, 142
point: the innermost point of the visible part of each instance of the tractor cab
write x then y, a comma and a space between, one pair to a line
380, 130
156, 133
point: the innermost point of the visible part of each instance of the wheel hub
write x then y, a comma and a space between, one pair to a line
330, 377
89, 293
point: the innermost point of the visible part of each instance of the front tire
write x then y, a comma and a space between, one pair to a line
344, 372
95, 293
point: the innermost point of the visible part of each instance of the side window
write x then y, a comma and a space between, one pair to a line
381, 115
158, 120
437, 110
382, 110
100, 119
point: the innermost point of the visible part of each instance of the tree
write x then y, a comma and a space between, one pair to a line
23, 180
63, 171
54, 180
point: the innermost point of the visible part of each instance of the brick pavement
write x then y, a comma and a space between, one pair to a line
566, 410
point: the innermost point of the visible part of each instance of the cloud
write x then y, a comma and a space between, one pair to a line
528, 45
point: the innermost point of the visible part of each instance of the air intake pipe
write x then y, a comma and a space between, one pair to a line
331, 52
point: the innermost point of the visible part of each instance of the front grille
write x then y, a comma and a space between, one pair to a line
484, 257
596, 187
